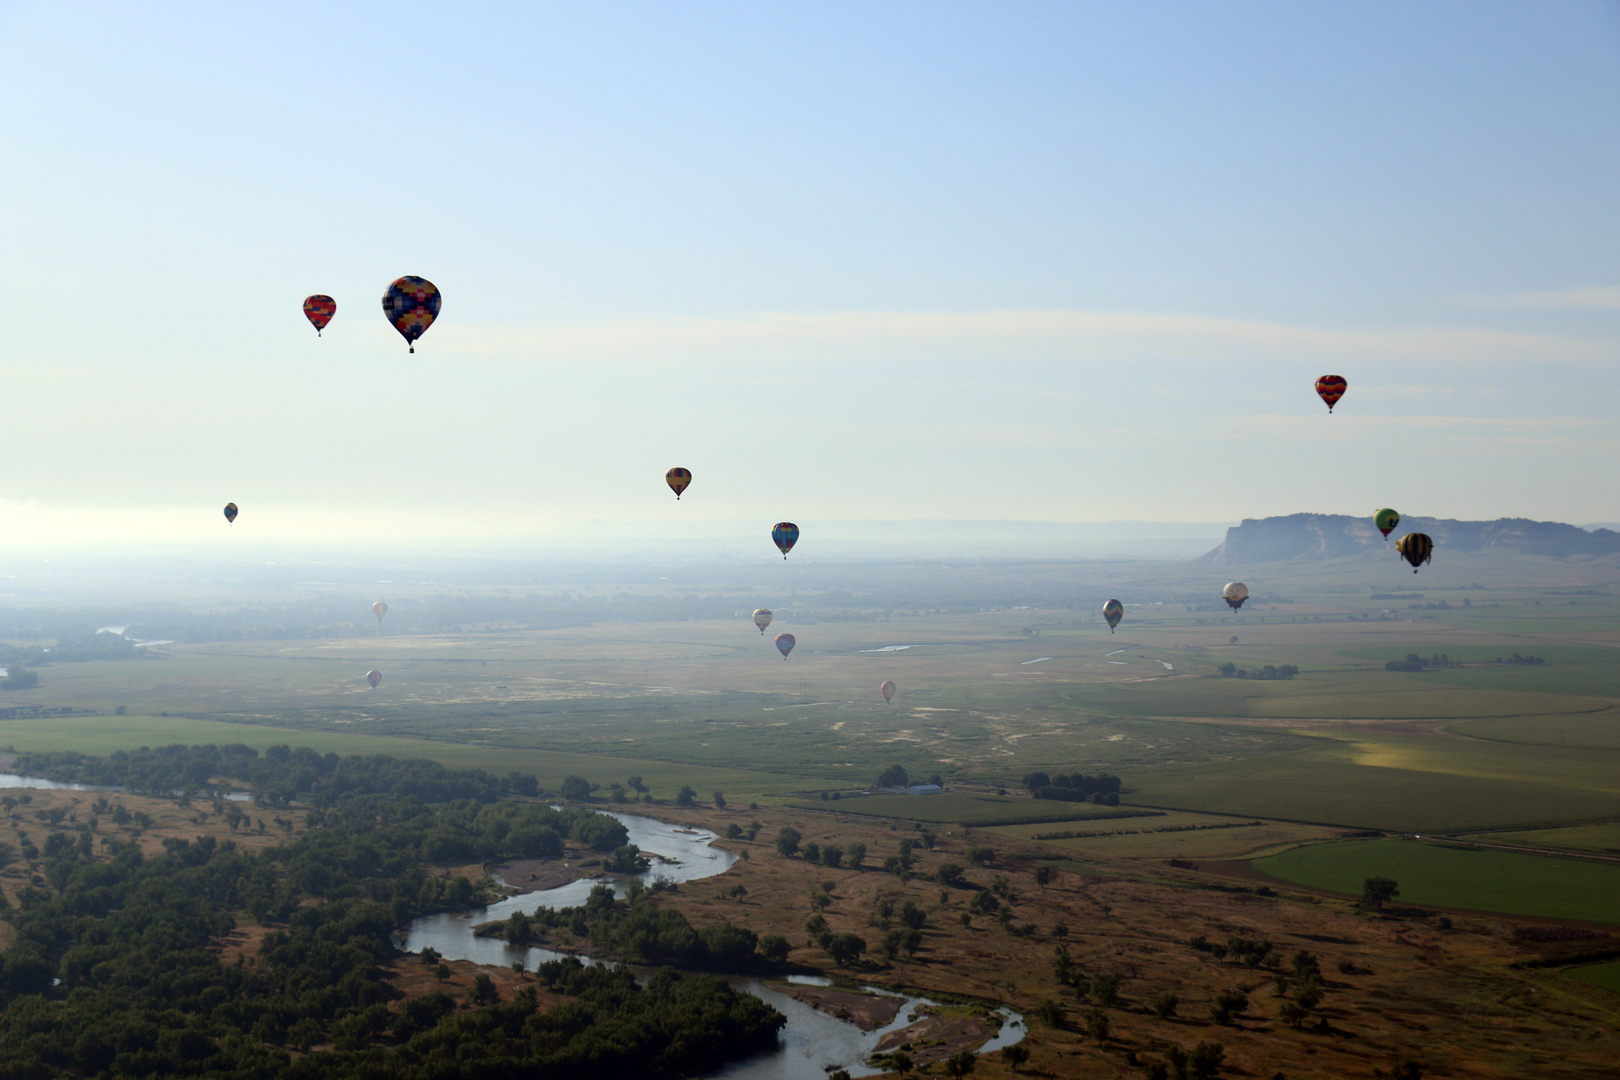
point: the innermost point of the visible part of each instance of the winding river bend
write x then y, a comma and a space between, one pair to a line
810, 1044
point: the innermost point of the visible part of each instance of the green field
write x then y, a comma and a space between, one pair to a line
1603, 837
105, 734
1447, 876
962, 808
1605, 975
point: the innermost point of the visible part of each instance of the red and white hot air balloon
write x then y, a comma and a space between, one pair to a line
374, 677
887, 690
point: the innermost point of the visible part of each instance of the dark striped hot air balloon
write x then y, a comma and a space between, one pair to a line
319, 309
785, 643
1331, 388
678, 480
1415, 548
785, 534
1113, 611
230, 513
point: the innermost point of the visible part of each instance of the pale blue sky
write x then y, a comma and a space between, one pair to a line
1038, 261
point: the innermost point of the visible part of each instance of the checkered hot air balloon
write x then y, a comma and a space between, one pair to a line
319, 309
1331, 388
411, 304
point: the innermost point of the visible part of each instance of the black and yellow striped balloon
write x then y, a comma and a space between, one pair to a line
1415, 548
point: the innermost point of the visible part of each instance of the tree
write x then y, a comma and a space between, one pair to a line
734, 831
1165, 1005
961, 1063
635, 784
856, 855
1228, 1005
1097, 1025
893, 776
753, 830
1206, 1060
577, 788
686, 796
484, 989
845, 949
1105, 988
832, 856
1043, 876
787, 841
1048, 1014
982, 856
19, 678
812, 852
774, 949
719, 801
1015, 1055
949, 874
1376, 891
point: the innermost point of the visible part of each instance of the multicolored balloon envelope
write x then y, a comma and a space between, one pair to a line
379, 609
1234, 594
785, 534
1113, 611
1415, 548
411, 304
374, 677
319, 309
230, 513
1386, 520
762, 618
1331, 388
887, 690
678, 480
785, 643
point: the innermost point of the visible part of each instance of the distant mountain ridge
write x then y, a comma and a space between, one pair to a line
1311, 537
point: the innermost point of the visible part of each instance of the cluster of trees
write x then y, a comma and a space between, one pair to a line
789, 842
277, 776
112, 968
74, 647
638, 930
1102, 789
897, 776
19, 678
1286, 671
1300, 982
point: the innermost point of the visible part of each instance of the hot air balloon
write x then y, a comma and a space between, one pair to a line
230, 513
1386, 520
785, 643
1331, 388
374, 677
887, 690
786, 534
762, 619
1415, 548
1234, 594
379, 609
319, 309
678, 479
1113, 611
411, 304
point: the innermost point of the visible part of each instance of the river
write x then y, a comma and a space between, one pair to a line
811, 1043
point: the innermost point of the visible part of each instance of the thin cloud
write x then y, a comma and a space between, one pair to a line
1600, 298
1002, 335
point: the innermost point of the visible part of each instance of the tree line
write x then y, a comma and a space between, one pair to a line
1102, 789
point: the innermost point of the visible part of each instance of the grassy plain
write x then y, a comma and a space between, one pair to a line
1450, 876
969, 808
985, 695
1605, 975
1172, 836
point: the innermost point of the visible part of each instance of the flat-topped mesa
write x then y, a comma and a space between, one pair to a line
1313, 537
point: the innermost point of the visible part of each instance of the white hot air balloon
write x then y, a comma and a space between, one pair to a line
1235, 593
762, 618
379, 609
